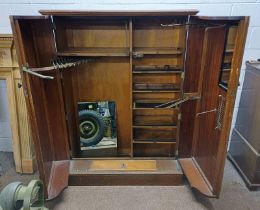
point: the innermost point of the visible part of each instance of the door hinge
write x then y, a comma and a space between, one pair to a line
138, 55
25, 92
179, 116
182, 75
233, 93
176, 153
53, 24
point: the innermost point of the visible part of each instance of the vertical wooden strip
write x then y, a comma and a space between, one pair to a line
131, 82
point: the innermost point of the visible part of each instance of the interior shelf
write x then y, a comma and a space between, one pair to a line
158, 50
94, 52
229, 49
156, 86
154, 126
156, 91
159, 108
152, 141
154, 69
157, 72
153, 101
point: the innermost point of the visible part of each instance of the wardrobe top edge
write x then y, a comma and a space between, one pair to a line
119, 12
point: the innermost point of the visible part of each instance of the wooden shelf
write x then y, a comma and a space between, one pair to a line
156, 87
155, 69
156, 91
155, 108
153, 142
229, 49
158, 51
157, 72
151, 101
154, 126
94, 52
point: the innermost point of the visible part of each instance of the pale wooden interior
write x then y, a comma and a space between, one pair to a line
163, 47
230, 43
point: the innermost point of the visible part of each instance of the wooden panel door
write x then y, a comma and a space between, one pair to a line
35, 46
204, 168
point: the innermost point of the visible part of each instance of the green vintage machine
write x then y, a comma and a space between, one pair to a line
17, 196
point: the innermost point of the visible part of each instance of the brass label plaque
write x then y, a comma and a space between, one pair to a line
123, 165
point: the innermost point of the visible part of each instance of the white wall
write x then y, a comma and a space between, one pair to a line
206, 7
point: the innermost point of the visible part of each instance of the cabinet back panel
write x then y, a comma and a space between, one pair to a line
150, 33
76, 33
155, 133
109, 79
153, 150
162, 60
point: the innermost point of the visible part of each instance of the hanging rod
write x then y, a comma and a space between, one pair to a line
59, 63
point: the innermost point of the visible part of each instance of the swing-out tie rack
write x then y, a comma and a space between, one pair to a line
176, 102
191, 24
57, 64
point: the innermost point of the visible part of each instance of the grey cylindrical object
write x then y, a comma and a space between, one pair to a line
7, 196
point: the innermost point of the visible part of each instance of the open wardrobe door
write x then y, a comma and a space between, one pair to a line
35, 45
213, 111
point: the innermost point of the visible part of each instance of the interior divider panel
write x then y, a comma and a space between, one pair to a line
152, 33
